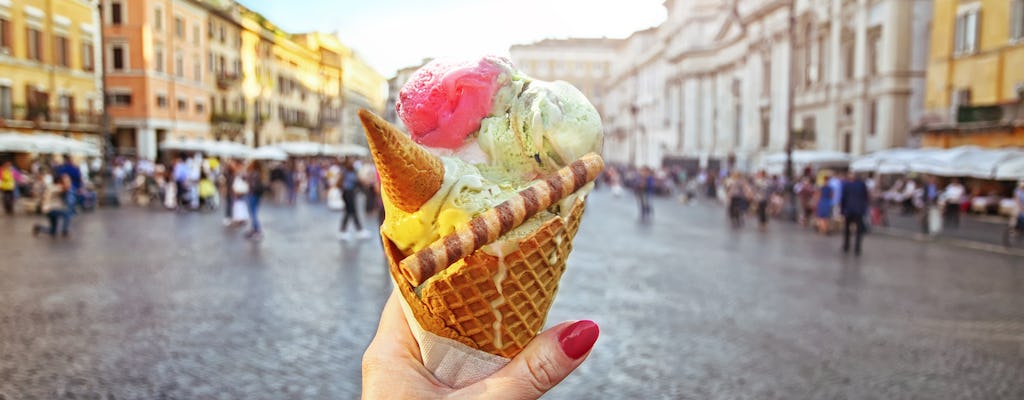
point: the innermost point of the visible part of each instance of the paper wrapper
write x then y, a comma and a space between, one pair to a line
467, 321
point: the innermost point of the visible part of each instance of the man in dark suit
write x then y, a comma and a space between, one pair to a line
854, 205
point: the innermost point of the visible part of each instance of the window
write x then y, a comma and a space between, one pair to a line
179, 27
966, 39
809, 134
960, 98
179, 66
197, 70
5, 36
61, 51
1017, 20
161, 101
5, 102
120, 99
766, 77
158, 19
116, 13
849, 58
847, 142
873, 118
158, 60
182, 104
766, 131
875, 51
200, 108
34, 42
87, 54
195, 34
223, 35
117, 57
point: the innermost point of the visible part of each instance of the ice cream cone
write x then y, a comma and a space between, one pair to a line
409, 175
494, 303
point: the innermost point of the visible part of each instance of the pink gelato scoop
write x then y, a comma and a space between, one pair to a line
444, 101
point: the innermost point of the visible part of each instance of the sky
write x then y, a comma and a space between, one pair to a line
393, 34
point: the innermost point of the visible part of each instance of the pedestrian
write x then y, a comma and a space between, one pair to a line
257, 186
805, 196
763, 190
313, 175
738, 198
54, 204
229, 172
180, 174
644, 188
854, 206
10, 178
952, 196
68, 167
824, 206
349, 186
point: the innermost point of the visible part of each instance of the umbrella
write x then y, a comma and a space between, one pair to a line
343, 150
301, 148
268, 153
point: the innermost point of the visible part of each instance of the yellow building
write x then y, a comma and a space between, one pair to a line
975, 81
49, 73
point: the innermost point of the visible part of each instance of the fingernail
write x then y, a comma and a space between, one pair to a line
577, 339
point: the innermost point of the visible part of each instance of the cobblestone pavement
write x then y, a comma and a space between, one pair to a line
141, 304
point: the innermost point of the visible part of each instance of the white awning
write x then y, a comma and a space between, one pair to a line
46, 143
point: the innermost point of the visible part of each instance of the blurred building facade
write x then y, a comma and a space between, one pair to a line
217, 70
716, 84
50, 67
975, 92
157, 87
585, 63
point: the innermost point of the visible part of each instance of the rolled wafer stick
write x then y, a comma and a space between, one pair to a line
491, 224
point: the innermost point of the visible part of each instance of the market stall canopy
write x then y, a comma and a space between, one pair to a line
184, 145
269, 153
775, 163
302, 149
1010, 170
46, 143
964, 161
227, 149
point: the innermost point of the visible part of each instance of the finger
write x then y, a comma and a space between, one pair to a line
546, 361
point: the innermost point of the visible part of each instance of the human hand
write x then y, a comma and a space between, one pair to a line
392, 368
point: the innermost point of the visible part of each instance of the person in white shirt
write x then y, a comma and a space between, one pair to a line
953, 196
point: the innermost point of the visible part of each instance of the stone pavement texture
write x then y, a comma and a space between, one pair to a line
142, 304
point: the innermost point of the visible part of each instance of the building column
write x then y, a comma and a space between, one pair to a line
145, 143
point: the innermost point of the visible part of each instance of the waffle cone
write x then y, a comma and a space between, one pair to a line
409, 175
491, 303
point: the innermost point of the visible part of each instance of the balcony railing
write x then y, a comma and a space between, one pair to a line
227, 118
46, 118
995, 114
226, 80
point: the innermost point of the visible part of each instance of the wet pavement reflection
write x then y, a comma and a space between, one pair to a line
141, 304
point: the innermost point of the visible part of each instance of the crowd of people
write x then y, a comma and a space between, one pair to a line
59, 187
824, 200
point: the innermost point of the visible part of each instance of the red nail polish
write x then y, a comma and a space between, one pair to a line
577, 339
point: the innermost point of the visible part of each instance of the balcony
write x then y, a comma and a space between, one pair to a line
227, 80
45, 118
223, 118
983, 116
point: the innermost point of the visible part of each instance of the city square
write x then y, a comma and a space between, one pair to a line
146, 304
261, 199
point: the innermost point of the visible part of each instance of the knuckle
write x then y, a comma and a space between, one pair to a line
544, 373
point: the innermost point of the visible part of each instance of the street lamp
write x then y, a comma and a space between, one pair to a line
791, 206
634, 109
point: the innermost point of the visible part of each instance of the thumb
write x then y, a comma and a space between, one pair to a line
546, 361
